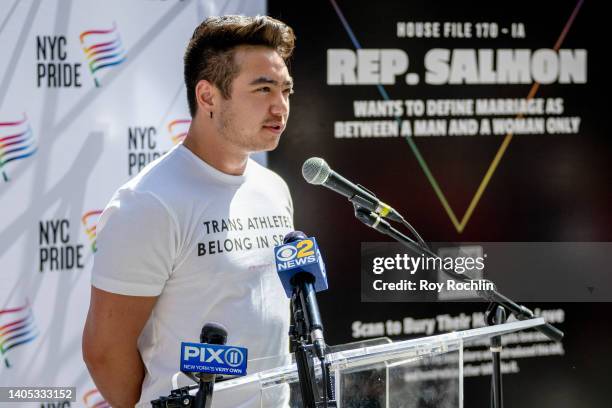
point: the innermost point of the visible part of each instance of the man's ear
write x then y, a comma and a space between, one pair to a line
206, 96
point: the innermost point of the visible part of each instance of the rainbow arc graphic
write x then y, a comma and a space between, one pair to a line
178, 129
90, 223
16, 329
93, 399
103, 49
16, 143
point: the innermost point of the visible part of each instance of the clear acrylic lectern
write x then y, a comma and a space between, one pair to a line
424, 372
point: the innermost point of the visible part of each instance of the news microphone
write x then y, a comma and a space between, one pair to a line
299, 265
316, 171
212, 333
299, 254
202, 362
302, 271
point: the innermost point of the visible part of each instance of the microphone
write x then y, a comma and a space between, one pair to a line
202, 362
212, 333
301, 258
299, 255
302, 271
316, 171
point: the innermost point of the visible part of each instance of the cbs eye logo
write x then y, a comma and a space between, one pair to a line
301, 250
287, 253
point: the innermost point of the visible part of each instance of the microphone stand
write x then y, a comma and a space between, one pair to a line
497, 310
203, 398
496, 315
307, 334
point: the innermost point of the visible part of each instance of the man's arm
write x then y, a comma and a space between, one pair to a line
110, 351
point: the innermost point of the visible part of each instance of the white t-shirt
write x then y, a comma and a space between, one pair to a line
202, 241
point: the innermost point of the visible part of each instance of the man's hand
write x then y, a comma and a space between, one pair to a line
110, 351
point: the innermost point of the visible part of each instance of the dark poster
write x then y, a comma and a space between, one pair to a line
479, 122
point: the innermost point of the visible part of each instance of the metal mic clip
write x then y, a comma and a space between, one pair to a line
369, 218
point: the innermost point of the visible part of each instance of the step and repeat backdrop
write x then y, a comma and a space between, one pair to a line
90, 92
484, 124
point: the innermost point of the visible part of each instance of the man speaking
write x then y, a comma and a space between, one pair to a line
189, 239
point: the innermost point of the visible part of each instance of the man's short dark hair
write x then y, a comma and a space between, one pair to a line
210, 53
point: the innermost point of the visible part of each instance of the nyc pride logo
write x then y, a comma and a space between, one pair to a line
17, 328
90, 223
177, 129
103, 49
16, 143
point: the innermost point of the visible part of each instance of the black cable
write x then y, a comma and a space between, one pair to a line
414, 232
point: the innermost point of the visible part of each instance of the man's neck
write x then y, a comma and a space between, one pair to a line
208, 145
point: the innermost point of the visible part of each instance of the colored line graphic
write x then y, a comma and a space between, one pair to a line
460, 225
16, 143
93, 399
16, 329
178, 129
90, 222
103, 49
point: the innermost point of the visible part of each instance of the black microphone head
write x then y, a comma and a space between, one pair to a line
316, 170
213, 333
294, 236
